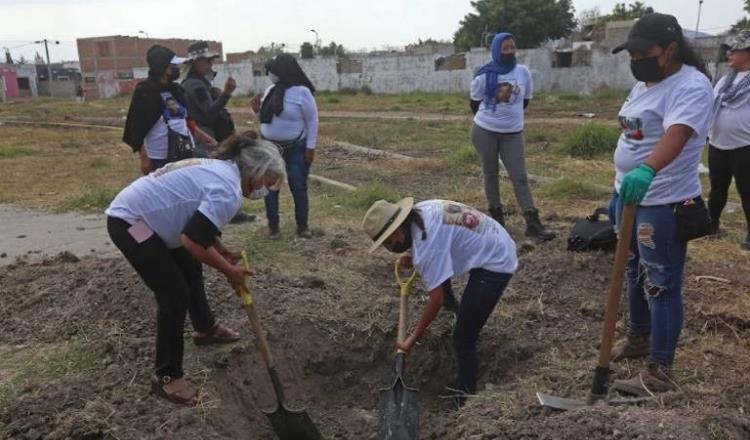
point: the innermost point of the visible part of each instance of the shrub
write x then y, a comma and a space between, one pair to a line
589, 141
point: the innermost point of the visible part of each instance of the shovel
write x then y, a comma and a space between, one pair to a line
600, 382
399, 405
288, 424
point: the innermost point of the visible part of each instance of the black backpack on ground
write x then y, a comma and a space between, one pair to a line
593, 233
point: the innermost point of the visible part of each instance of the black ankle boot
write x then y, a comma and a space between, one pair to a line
498, 215
534, 227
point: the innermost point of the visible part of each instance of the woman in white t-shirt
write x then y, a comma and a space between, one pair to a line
168, 223
500, 92
448, 239
729, 140
288, 116
664, 123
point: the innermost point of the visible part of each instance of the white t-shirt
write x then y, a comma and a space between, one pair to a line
684, 98
731, 128
512, 89
459, 239
156, 139
167, 198
300, 116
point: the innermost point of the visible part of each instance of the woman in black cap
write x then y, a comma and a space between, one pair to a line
157, 115
664, 123
288, 117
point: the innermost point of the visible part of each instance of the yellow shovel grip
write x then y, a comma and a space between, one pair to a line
404, 285
247, 299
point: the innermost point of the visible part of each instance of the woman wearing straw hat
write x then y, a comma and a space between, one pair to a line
444, 239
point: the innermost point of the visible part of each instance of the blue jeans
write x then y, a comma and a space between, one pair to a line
654, 273
480, 296
297, 171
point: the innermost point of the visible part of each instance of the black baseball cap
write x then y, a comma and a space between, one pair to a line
649, 30
160, 57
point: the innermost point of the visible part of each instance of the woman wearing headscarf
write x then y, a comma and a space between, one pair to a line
729, 139
500, 92
288, 117
664, 123
168, 223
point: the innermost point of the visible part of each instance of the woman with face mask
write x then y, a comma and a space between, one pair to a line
288, 116
168, 224
729, 149
664, 122
158, 114
500, 92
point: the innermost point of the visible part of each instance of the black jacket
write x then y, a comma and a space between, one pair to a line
202, 107
146, 107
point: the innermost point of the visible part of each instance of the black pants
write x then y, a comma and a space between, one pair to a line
479, 299
722, 166
176, 278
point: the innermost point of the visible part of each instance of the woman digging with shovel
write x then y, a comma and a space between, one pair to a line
664, 122
444, 239
167, 224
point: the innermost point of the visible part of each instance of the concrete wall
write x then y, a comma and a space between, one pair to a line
405, 74
61, 89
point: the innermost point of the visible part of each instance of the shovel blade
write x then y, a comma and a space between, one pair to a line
293, 424
560, 403
398, 413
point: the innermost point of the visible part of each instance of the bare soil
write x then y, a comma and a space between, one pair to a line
333, 342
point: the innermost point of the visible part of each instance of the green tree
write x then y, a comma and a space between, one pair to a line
333, 50
530, 21
631, 11
743, 23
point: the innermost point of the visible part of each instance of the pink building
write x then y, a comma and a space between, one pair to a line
9, 81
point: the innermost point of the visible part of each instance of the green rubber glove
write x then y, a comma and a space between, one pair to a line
635, 184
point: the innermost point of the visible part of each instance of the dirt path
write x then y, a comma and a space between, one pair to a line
36, 234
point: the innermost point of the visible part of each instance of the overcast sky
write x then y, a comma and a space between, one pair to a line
248, 24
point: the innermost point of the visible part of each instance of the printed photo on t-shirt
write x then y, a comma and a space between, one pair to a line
507, 93
458, 214
632, 127
172, 107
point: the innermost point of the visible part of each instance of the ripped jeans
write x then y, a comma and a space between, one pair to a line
654, 274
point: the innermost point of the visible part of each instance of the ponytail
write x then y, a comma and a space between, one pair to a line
686, 54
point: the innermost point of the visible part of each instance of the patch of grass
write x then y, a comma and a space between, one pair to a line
92, 199
8, 152
70, 143
540, 135
463, 157
589, 141
42, 363
368, 194
332, 100
567, 188
98, 162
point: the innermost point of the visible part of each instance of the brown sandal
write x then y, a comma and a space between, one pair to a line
175, 390
219, 334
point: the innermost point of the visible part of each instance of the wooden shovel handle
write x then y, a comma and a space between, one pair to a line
405, 286
252, 313
622, 254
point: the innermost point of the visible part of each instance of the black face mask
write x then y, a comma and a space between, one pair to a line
507, 58
647, 69
174, 74
405, 245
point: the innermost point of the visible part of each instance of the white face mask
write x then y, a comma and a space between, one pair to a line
210, 76
258, 193
272, 76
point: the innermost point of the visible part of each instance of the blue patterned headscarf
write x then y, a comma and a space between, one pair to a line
494, 68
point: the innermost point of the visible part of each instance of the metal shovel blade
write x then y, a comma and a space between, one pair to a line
293, 424
399, 412
561, 403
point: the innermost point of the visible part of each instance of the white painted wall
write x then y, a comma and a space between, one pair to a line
392, 74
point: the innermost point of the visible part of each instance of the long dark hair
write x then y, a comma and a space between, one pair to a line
686, 54
290, 74
416, 218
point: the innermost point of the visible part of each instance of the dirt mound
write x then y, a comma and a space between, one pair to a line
333, 342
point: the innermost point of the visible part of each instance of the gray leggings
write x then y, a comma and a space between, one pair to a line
509, 148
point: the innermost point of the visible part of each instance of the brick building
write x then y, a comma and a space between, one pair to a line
112, 65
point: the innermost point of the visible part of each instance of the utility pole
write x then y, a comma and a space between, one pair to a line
49, 68
698, 23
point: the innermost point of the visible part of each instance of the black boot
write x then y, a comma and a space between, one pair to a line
498, 215
273, 231
534, 227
